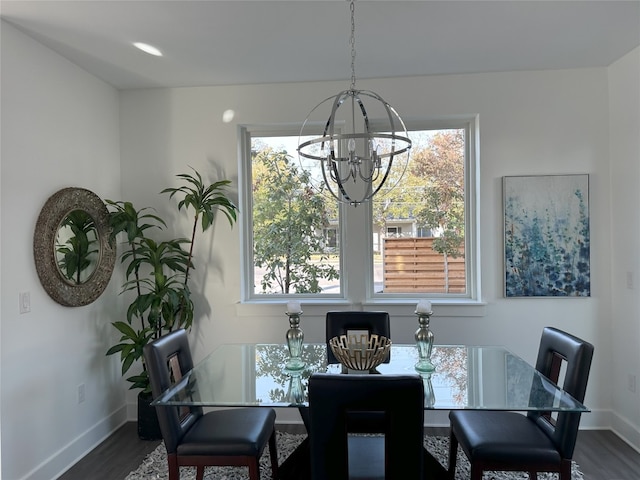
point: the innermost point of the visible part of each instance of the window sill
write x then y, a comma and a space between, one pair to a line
446, 308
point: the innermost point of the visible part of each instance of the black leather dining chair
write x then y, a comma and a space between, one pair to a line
538, 441
336, 455
233, 437
339, 322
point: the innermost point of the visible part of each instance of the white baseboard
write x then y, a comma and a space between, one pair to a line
610, 420
72, 452
597, 419
626, 430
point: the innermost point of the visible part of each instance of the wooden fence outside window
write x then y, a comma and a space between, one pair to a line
412, 265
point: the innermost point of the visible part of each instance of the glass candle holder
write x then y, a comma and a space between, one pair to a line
295, 393
424, 343
429, 395
295, 337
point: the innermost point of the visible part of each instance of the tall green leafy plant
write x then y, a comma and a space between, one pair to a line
205, 200
157, 272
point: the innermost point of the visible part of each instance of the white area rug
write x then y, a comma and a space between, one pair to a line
154, 465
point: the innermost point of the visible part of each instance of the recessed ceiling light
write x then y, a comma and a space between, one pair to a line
150, 49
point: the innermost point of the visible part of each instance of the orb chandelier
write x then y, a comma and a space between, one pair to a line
361, 144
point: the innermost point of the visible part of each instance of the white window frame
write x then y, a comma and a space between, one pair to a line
356, 272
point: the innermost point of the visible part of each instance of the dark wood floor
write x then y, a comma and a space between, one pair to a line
600, 453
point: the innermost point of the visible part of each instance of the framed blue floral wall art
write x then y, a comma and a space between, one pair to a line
547, 236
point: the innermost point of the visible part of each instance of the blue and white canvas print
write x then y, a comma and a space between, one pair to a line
546, 236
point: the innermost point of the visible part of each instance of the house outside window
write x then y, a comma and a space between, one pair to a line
417, 239
394, 231
422, 232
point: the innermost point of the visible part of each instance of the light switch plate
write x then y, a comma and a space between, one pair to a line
25, 302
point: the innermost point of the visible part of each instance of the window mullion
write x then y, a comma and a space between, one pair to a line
357, 252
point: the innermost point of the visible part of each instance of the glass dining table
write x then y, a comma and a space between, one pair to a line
465, 377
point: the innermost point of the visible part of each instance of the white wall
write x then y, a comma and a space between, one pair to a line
59, 129
624, 107
547, 122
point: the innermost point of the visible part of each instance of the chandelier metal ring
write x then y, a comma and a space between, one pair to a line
357, 154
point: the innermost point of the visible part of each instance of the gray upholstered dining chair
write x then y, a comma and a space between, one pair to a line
536, 442
232, 437
336, 455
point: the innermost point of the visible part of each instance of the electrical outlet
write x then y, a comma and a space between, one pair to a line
632, 383
25, 302
81, 393
630, 280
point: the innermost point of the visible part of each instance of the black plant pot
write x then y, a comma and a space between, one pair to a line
148, 426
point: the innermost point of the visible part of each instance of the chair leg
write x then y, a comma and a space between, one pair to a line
273, 454
565, 470
254, 469
453, 453
174, 469
533, 475
476, 471
199, 472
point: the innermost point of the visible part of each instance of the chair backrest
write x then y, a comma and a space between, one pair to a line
558, 349
340, 321
167, 359
400, 398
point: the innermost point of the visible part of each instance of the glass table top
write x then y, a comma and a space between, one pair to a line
465, 377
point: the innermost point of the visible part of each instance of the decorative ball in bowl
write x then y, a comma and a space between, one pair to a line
360, 352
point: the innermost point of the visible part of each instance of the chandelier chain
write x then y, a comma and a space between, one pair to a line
353, 45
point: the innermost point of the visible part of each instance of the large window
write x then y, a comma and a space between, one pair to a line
415, 239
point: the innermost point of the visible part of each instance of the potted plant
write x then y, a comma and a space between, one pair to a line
157, 272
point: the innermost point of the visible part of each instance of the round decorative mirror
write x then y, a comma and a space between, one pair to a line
71, 246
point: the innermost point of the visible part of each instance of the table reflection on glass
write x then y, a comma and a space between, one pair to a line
465, 377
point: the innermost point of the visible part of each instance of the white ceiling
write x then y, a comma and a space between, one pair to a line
265, 41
